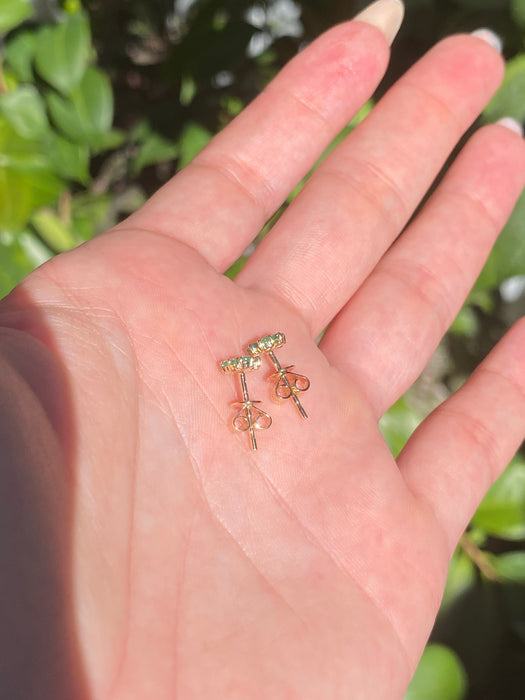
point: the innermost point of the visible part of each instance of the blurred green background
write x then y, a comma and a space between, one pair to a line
101, 103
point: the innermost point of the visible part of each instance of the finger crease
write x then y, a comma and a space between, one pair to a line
499, 375
481, 436
238, 173
450, 114
435, 300
365, 190
476, 203
310, 107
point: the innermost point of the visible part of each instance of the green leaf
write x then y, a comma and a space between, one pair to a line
24, 108
154, 149
86, 116
518, 12
69, 160
94, 100
461, 576
482, 297
140, 132
26, 180
398, 424
507, 258
232, 105
110, 140
237, 266
15, 264
17, 152
19, 52
192, 140
62, 51
19, 256
72, 6
440, 675
22, 193
466, 323
14, 12
508, 101
35, 250
502, 511
188, 90
511, 566
89, 213
54, 232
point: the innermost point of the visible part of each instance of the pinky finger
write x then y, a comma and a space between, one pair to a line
464, 445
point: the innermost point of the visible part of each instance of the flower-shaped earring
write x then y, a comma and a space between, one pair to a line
289, 383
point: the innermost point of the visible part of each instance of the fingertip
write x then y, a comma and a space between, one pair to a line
385, 15
466, 61
356, 37
505, 134
507, 138
351, 53
475, 50
511, 124
493, 163
490, 38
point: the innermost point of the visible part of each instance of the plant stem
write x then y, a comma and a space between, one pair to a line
480, 558
64, 207
3, 84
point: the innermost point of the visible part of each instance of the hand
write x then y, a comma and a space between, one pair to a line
148, 552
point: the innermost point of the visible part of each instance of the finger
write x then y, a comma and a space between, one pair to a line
360, 198
388, 330
463, 446
219, 202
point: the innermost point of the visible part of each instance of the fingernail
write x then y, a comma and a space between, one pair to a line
386, 15
490, 37
512, 124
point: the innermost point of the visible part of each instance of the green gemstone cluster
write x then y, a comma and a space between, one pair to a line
240, 364
266, 344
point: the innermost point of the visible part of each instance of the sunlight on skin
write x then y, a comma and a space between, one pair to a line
190, 566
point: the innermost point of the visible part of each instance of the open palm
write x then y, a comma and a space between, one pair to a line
167, 558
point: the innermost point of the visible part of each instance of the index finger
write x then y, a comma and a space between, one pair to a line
219, 202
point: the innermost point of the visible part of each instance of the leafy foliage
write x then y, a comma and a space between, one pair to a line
57, 140
440, 676
62, 52
502, 513
12, 12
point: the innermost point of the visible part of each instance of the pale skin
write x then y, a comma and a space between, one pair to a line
146, 551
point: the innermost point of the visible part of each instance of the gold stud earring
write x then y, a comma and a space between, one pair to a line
289, 383
249, 417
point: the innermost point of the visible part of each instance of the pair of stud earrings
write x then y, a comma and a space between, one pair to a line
288, 385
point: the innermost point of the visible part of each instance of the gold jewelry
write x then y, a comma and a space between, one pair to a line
289, 383
249, 417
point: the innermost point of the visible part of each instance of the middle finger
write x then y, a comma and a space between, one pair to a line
360, 198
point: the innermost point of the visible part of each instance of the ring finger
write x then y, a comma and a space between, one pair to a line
360, 198
388, 330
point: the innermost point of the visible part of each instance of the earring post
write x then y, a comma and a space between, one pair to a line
250, 417
248, 406
282, 374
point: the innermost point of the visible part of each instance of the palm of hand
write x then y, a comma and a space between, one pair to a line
311, 569
299, 550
